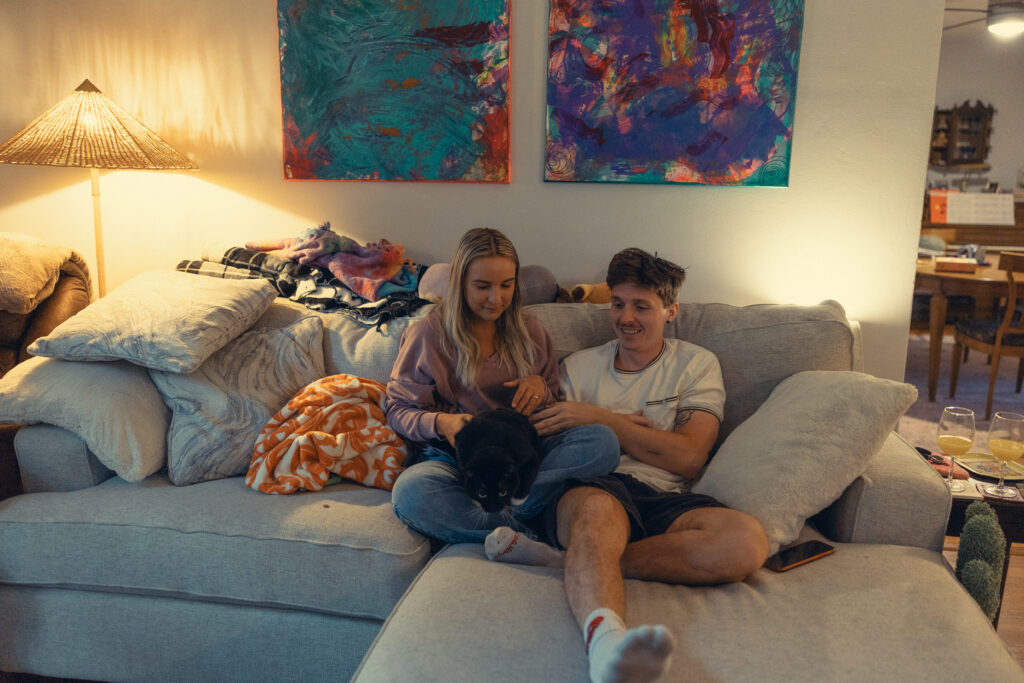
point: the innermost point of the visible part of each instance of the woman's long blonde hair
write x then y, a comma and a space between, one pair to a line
512, 341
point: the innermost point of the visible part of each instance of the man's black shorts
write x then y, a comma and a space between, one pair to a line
651, 512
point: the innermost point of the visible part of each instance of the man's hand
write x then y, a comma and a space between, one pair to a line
640, 419
565, 414
450, 424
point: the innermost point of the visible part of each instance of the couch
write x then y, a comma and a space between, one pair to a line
130, 577
51, 285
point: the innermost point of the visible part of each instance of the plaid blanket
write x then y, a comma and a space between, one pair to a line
308, 284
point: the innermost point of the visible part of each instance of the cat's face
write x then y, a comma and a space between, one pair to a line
494, 483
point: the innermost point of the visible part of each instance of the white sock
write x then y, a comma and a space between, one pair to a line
505, 544
620, 656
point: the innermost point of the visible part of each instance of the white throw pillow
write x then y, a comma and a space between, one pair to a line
113, 407
166, 320
219, 410
809, 440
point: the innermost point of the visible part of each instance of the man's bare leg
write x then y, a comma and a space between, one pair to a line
703, 546
595, 529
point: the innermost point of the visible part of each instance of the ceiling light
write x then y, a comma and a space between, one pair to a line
1006, 18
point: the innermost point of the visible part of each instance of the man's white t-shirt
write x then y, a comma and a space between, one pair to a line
684, 376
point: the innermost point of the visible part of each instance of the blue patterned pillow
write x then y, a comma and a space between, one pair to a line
219, 409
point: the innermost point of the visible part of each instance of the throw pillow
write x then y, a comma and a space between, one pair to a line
113, 407
165, 320
220, 408
537, 283
809, 440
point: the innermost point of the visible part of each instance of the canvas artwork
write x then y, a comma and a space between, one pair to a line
386, 90
672, 91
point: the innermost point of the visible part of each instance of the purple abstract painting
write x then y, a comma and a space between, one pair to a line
672, 91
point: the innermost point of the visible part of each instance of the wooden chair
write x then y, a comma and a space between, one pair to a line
996, 338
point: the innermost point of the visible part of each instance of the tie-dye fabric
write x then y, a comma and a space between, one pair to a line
333, 426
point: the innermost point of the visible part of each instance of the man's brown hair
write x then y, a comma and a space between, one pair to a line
637, 267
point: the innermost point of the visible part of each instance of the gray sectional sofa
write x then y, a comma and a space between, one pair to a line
107, 579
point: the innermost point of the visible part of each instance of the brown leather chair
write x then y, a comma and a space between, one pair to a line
17, 332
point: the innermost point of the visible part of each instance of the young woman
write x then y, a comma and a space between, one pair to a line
476, 351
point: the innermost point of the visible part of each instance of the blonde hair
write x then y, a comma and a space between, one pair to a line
512, 341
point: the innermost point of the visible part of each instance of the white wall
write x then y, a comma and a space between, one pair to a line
976, 65
204, 75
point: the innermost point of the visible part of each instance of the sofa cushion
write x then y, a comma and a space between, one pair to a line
814, 435
757, 346
536, 283
339, 551
163, 320
113, 407
220, 408
866, 613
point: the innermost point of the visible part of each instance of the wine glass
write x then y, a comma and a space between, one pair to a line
1006, 441
955, 437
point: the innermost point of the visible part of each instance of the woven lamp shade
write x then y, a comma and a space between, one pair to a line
86, 129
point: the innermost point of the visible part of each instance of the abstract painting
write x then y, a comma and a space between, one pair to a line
395, 89
672, 91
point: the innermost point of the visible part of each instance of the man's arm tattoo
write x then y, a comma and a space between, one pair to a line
682, 417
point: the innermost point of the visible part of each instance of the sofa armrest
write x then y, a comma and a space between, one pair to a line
54, 459
70, 295
899, 499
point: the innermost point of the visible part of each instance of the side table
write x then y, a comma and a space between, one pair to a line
1011, 519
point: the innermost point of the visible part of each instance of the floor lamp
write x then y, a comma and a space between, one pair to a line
87, 130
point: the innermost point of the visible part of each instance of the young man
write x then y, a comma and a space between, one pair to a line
664, 400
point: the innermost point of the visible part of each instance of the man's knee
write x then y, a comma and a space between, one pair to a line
585, 508
750, 546
737, 543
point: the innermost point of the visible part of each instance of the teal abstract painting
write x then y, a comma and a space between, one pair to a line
672, 91
395, 89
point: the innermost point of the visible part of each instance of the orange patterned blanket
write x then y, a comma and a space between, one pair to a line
334, 425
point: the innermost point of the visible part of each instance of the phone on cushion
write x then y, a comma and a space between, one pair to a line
802, 553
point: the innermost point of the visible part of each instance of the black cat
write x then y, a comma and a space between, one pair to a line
499, 454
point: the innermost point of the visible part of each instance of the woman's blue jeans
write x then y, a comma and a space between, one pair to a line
429, 496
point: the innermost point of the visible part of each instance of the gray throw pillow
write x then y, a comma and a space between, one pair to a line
165, 320
807, 442
219, 409
113, 407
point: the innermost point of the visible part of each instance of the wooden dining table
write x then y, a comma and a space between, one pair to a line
987, 285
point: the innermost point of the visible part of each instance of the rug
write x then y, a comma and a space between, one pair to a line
919, 424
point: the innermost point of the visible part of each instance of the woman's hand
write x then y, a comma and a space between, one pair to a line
530, 393
450, 424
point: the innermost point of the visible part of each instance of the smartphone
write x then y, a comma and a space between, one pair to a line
799, 554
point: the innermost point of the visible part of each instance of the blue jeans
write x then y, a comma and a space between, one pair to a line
429, 496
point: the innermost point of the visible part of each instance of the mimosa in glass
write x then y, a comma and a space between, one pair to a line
1006, 441
955, 437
